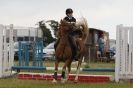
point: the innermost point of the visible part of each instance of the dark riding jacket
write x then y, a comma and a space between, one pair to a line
70, 19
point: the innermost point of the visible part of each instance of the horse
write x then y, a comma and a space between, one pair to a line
64, 52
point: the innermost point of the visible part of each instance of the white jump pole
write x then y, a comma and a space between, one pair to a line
1, 50
124, 53
6, 50
11, 52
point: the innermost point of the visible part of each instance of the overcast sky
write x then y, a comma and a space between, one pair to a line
101, 14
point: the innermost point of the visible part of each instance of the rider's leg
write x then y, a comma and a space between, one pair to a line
73, 46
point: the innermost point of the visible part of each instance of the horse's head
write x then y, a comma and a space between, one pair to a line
64, 25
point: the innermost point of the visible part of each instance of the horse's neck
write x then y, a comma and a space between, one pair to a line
64, 40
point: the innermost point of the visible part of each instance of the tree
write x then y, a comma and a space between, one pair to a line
47, 36
54, 25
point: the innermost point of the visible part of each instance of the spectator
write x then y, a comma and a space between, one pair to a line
101, 44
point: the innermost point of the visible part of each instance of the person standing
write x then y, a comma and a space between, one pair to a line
101, 44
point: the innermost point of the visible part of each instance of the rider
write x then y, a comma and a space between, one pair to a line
69, 18
69, 15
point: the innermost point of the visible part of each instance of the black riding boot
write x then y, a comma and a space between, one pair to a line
74, 47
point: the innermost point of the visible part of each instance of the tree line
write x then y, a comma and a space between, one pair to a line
47, 36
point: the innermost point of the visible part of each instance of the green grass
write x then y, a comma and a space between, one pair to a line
16, 83
90, 65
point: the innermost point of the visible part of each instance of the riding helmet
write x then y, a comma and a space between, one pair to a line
69, 10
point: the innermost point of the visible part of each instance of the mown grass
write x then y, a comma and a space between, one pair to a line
90, 65
16, 83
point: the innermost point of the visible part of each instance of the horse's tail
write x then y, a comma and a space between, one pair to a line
85, 30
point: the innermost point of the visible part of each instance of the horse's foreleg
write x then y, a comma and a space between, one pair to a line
77, 71
68, 71
63, 76
56, 70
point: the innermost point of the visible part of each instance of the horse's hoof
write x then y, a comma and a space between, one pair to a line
54, 81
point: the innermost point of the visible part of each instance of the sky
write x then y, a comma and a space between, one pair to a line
100, 14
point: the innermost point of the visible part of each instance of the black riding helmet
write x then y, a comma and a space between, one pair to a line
69, 10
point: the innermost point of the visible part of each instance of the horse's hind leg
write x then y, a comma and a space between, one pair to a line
55, 73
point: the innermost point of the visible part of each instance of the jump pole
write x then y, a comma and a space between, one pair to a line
87, 69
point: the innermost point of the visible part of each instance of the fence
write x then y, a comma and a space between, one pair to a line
124, 53
6, 50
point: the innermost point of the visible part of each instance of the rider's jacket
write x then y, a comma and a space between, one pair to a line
70, 19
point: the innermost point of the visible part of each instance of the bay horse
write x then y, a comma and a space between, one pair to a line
63, 52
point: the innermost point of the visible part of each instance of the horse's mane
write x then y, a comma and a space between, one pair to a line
64, 26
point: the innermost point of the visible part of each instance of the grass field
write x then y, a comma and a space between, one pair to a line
17, 83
